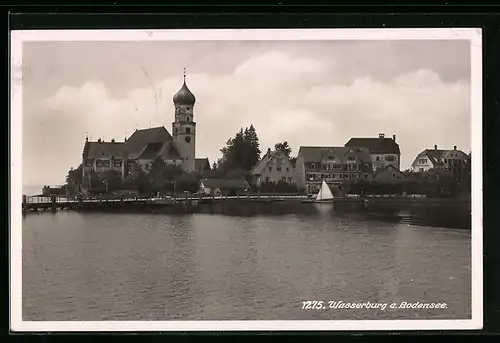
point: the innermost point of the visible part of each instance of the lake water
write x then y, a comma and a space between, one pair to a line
235, 266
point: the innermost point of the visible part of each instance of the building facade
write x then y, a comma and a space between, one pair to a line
383, 151
146, 145
334, 165
274, 167
456, 161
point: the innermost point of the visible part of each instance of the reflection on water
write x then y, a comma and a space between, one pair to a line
234, 263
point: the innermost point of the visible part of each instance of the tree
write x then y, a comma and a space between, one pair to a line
240, 152
74, 176
283, 147
252, 141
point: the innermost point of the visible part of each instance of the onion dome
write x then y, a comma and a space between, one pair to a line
184, 95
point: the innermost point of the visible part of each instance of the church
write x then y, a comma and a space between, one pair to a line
146, 145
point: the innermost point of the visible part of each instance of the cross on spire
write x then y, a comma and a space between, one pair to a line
184, 74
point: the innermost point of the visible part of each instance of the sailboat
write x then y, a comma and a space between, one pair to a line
324, 194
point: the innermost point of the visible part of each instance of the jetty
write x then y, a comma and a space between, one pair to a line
56, 203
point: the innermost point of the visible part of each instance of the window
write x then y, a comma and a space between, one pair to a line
390, 158
313, 165
394, 176
378, 158
188, 130
267, 179
188, 118
88, 163
350, 158
187, 109
287, 169
421, 169
278, 168
175, 130
118, 163
147, 166
270, 169
323, 166
422, 161
333, 176
283, 179
366, 176
289, 179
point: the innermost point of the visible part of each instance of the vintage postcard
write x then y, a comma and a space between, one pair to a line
198, 180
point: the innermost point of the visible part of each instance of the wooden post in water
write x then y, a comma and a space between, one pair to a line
53, 201
24, 205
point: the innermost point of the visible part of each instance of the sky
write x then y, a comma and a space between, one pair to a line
309, 93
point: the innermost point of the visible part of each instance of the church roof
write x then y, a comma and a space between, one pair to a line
140, 139
375, 145
201, 164
103, 150
184, 96
144, 144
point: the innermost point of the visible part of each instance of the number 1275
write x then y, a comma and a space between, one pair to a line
312, 305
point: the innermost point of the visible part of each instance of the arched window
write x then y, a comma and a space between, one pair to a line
187, 118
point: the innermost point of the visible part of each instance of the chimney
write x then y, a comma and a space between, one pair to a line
112, 140
99, 140
455, 147
394, 138
268, 150
435, 147
381, 135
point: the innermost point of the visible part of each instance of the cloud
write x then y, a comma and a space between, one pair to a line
285, 98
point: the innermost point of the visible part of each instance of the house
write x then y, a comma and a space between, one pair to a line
456, 161
219, 187
388, 174
383, 151
274, 167
202, 165
146, 145
331, 164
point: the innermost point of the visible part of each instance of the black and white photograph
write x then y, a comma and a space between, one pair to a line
187, 180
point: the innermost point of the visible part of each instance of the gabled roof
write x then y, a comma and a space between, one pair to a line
202, 164
151, 151
435, 155
317, 154
169, 151
264, 161
375, 145
135, 145
103, 150
225, 183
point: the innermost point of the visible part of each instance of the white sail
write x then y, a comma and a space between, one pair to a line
324, 193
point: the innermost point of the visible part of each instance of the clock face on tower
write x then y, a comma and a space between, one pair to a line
187, 139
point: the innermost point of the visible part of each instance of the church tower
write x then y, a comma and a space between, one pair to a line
184, 126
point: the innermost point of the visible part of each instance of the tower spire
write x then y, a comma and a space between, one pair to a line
184, 74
